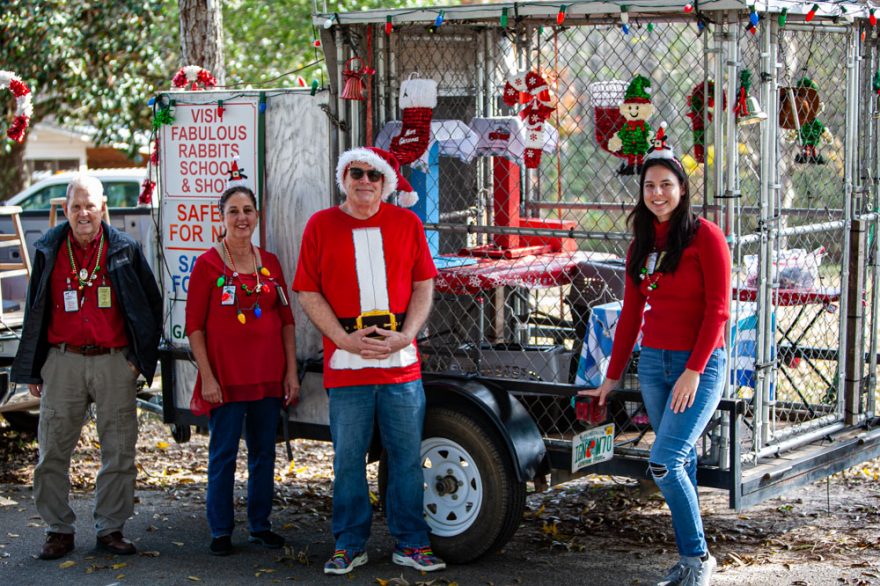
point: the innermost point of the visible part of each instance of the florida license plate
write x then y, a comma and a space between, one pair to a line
592, 446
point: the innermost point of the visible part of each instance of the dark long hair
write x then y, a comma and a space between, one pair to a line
683, 224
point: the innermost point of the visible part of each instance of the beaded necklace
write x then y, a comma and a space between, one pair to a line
650, 272
82, 275
258, 289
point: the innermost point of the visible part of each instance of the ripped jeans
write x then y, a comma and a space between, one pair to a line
673, 460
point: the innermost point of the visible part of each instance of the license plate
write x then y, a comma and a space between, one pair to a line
592, 446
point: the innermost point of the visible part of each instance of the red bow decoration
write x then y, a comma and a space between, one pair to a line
531, 89
192, 76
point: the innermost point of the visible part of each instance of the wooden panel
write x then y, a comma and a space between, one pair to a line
299, 182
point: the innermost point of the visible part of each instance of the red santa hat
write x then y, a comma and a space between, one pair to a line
384, 162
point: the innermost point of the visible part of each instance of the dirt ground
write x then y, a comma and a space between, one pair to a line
605, 528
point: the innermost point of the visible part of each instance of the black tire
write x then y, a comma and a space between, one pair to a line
23, 421
479, 520
181, 433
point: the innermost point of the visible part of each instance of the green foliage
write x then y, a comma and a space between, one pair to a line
266, 39
88, 62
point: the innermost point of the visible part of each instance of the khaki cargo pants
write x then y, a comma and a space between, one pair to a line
70, 383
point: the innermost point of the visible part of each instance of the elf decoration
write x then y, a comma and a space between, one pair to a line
418, 98
800, 107
747, 110
697, 102
24, 107
193, 78
531, 89
355, 74
632, 140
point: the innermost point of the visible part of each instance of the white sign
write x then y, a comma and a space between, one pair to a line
197, 153
198, 149
592, 446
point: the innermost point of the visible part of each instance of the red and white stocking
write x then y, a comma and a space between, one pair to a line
534, 145
418, 98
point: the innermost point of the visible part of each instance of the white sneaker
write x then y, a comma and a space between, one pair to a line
674, 575
690, 572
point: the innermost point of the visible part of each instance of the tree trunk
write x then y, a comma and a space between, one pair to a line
201, 36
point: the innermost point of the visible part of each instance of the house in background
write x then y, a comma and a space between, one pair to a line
51, 148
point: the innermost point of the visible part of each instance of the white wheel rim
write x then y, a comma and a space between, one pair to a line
444, 462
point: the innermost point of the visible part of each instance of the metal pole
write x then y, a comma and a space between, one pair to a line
852, 77
872, 168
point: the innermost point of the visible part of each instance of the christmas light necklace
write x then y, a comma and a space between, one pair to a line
257, 290
82, 275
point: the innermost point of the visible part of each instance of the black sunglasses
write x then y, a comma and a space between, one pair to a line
373, 175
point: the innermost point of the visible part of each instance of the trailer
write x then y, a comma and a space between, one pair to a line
772, 108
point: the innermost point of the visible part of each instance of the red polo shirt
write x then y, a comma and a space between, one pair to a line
90, 325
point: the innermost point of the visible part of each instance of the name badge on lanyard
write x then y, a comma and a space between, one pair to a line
227, 297
104, 297
651, 264
71, 301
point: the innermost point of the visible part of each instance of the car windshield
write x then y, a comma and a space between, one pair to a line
120, 193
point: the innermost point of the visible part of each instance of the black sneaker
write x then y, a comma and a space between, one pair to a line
267, 539
221, 545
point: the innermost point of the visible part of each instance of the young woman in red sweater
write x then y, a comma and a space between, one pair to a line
678, 281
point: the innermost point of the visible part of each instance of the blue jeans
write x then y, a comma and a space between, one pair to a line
260, 419
673, 460
400, 412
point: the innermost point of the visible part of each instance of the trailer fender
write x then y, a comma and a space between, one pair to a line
501, 410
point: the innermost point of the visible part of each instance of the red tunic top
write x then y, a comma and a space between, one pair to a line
90, 325
689, 307
247, 360
327, 265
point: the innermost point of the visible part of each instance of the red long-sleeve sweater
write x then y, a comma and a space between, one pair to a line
689, 307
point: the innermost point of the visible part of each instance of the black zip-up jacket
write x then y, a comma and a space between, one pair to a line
136, 292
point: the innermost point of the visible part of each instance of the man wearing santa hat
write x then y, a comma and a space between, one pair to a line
366, 279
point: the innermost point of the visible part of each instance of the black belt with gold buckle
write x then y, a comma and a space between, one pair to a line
382, 319
86, 350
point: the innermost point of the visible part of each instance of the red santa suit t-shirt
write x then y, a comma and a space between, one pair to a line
360, 266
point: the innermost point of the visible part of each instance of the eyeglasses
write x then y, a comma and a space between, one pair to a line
373, 175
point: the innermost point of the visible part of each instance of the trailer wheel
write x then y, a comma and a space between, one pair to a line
181, 433
473, 500
23, 421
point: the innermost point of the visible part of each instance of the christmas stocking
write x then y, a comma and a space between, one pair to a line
534, 145
514, 86
418, 98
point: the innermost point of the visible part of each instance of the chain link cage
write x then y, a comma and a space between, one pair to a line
530, 232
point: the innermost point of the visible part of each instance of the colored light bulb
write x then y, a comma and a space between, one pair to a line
688, 8
560, 16
783, 17
316, 43
438, 22
625, 29
265, 272
812, 13
258, 312
241, 318
650, 27
504, 18
389, 26
872, 18
221, 280
329, 22
753, 16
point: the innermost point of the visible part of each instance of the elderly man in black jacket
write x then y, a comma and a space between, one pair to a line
92, 324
